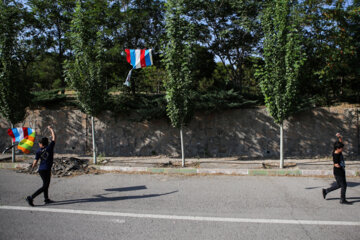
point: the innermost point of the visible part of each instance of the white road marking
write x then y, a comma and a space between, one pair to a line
185, 218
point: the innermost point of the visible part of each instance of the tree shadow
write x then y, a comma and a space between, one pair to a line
310, 188
125, 189
103, 198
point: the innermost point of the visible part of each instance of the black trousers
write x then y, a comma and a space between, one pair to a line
340, 183
45, 176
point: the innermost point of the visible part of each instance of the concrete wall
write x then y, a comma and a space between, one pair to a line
245, 133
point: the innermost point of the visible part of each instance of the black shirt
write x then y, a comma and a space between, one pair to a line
46, 155
339, 159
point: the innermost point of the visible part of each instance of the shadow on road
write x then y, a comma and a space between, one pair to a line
103, 198
350, 199
353, 184
350, 184
125, 189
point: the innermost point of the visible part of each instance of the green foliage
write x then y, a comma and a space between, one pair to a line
140, 107
50, 22
221, 100
150, 79
132, 24
85, 72
283, 58
50, 98
177, 59
14, 89
225, 30
202, 68
149, 106
146, 107
332, 45
45, 73
230, 30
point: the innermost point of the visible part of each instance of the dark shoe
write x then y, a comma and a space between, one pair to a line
29, 201
48, 201
324, 193
345, 202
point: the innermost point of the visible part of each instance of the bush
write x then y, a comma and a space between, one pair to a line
49, 98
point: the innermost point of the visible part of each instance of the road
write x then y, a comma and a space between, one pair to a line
123, 206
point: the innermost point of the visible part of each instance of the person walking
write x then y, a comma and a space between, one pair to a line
46, 154
339, 172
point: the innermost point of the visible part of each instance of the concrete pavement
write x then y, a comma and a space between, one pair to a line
227, 166
177, 206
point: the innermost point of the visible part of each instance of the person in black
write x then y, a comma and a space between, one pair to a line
339, 173
46, 154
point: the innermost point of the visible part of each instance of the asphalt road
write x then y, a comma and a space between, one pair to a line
121, 206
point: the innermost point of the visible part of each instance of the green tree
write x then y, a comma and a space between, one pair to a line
50, 23
230, 30
132, 24
14, 89
85, 71
202, 68
283, 57
331, 31
341, 50
177, 57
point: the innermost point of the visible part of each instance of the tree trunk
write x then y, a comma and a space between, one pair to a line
182, 148
13, 148
93, 138
281, 145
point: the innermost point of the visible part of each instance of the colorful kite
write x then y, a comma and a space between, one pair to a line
24, 136
138, 58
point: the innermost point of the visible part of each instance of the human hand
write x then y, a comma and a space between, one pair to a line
338, 135
33, 165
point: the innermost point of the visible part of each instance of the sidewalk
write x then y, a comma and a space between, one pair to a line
227, 166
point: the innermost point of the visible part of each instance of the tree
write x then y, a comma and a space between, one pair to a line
202, 68
50, 24
283, 57
177, 57
133, 24
14, 89
341, 48
331, 34
85, 71
230, 30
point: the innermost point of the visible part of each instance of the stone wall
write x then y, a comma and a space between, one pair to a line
245, 133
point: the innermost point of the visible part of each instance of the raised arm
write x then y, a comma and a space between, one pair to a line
53, 137
338, 135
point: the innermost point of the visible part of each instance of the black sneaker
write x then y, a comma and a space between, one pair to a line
324, 193
345, 202
48, 201
29, 201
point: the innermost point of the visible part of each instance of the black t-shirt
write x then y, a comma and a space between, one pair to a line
339, 159
46, 155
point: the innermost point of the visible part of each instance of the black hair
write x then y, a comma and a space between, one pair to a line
338, 145
44, 141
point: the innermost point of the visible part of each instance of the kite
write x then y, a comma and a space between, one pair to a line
138, 58
24, 136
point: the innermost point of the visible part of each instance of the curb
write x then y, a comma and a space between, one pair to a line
192, 171
244, 172
14, 165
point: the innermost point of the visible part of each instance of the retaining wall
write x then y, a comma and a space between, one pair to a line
246, 133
